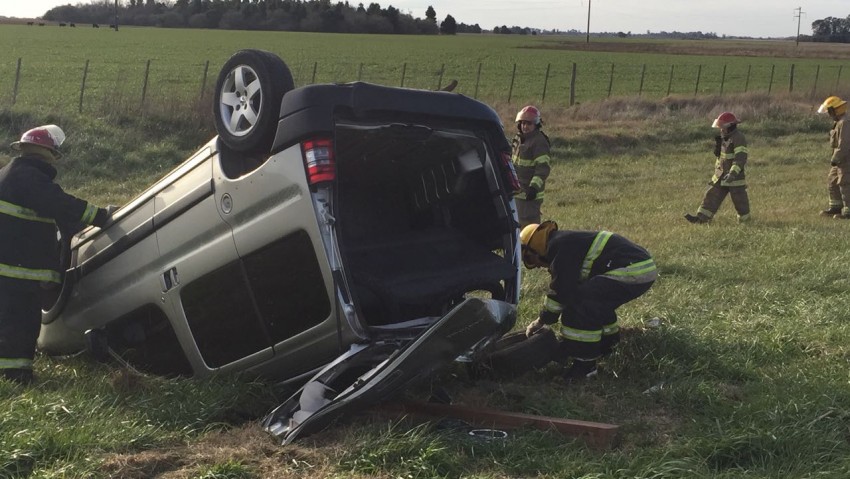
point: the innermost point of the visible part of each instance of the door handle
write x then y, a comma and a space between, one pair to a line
169, 279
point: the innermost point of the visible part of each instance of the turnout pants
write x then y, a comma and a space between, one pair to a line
838, 183
20, 322
593, 313
715, 195
528, 211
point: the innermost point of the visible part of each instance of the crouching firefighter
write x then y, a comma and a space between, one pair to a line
32, 207
593, 273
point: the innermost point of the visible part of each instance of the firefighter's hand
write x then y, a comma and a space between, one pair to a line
110, 209
731, 176
534, 327
531, 193
718, 141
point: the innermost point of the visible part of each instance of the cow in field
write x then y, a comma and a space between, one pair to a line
95, 25
73, 25
61, 24
30, 23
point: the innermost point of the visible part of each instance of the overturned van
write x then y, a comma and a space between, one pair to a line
334, 235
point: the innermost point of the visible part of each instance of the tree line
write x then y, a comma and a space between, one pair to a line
831, 29
286, 15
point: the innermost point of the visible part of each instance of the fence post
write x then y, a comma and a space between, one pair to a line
477, 81
747, 83
670, 81
145, 83
511, 89
545, 82
573, 86
699, 74
17, 80
791, 80
815, 86
611, 81
204, 81
315, 67
403, 73
838, 78
642, 74
83, 86
360, 72
723, 80
440, 79
770, 85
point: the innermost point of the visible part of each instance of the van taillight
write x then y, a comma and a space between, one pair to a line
510, 172
319, 159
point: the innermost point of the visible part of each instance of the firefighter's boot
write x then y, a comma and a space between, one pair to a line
831, 211
580, 371
696, 219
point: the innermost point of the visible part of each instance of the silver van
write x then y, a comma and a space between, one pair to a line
326, 231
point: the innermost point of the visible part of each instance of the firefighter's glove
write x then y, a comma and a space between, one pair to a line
718, 141
534, 327
834, 162
531, 193
110, 210
731, 176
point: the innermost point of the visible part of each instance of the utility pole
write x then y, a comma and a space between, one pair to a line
798, 16
588, 22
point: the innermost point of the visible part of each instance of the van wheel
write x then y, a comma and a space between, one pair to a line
515, 354
248, 93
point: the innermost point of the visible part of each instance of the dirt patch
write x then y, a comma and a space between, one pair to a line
248, 446
726, 48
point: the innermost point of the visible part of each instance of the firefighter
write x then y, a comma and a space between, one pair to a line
592, 274
531, 161
838, 179
730, 149
32, 207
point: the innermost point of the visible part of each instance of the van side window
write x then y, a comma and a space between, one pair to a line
288, 286
146, 340
222, 318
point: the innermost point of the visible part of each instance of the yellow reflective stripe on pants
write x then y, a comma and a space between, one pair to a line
580, 335
15, 363
12, 209
593, 253
552, 306
18, 272
610, 329
636, 273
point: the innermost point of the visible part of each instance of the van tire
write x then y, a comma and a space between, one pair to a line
515, 354
270, 79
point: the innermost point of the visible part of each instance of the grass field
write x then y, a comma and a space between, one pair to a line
745, 375
53, 63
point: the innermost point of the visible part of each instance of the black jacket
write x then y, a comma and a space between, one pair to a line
32, 207
567, 251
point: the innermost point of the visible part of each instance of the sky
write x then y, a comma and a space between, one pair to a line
755, 18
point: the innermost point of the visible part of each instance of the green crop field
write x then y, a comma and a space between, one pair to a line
491, 67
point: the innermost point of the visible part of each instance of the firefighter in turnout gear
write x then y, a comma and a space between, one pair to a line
838, 179
729, 172
531, 161
592, 274
32, 207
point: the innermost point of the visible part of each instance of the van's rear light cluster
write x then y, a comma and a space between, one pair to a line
510, 172
319, 160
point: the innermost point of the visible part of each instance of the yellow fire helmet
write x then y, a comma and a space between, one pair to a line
833, 104
536, 237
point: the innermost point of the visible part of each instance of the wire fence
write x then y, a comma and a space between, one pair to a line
567, 83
